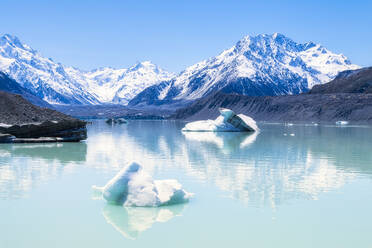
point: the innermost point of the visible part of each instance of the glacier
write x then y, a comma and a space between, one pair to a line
228, 121
132, 186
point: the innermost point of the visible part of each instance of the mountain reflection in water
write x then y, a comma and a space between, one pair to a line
259, 169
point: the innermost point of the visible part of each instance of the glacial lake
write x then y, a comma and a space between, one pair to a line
287, 186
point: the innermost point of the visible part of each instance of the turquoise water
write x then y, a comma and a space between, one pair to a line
288, 186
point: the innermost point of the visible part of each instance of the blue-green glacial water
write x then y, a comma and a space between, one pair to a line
288, 186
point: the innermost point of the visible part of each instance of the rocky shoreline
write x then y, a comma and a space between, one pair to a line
48, 131
23, 122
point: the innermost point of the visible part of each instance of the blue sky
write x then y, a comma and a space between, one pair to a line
176, 34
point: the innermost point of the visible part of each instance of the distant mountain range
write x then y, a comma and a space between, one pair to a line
59, 84
256, 65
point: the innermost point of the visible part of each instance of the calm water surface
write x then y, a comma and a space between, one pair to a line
288, 186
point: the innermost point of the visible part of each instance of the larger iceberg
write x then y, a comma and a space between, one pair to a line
228, 121
132, 186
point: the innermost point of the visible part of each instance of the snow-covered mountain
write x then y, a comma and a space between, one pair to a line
256, 65
9, 85
119, 85
58, 84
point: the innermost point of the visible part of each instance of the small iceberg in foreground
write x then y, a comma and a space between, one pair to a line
228, 121
133, 187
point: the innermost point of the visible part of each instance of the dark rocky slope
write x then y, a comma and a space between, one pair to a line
347, 97
304, 107
20, 118
351, 81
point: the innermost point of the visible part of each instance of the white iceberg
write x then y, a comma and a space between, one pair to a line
228, 121
341, 123
133, 187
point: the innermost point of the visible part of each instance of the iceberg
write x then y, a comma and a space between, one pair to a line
228, 121
132, 186
341, 123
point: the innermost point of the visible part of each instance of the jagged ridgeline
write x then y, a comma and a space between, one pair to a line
350, 81
262, 65
256, 65
59, 84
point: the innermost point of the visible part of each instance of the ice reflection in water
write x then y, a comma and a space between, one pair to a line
258, 169
131, 221
226, 141
265, 170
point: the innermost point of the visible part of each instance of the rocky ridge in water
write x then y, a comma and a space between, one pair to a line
21, 122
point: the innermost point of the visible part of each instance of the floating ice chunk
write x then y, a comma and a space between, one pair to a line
228, 121
5, 125
133, 187
342, 123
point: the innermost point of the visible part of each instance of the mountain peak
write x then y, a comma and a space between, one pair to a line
278, 35
264, 64
271, 42
14, 41
145, 65
260, 37
11, 38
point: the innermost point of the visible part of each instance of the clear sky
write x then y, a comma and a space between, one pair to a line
174, 33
